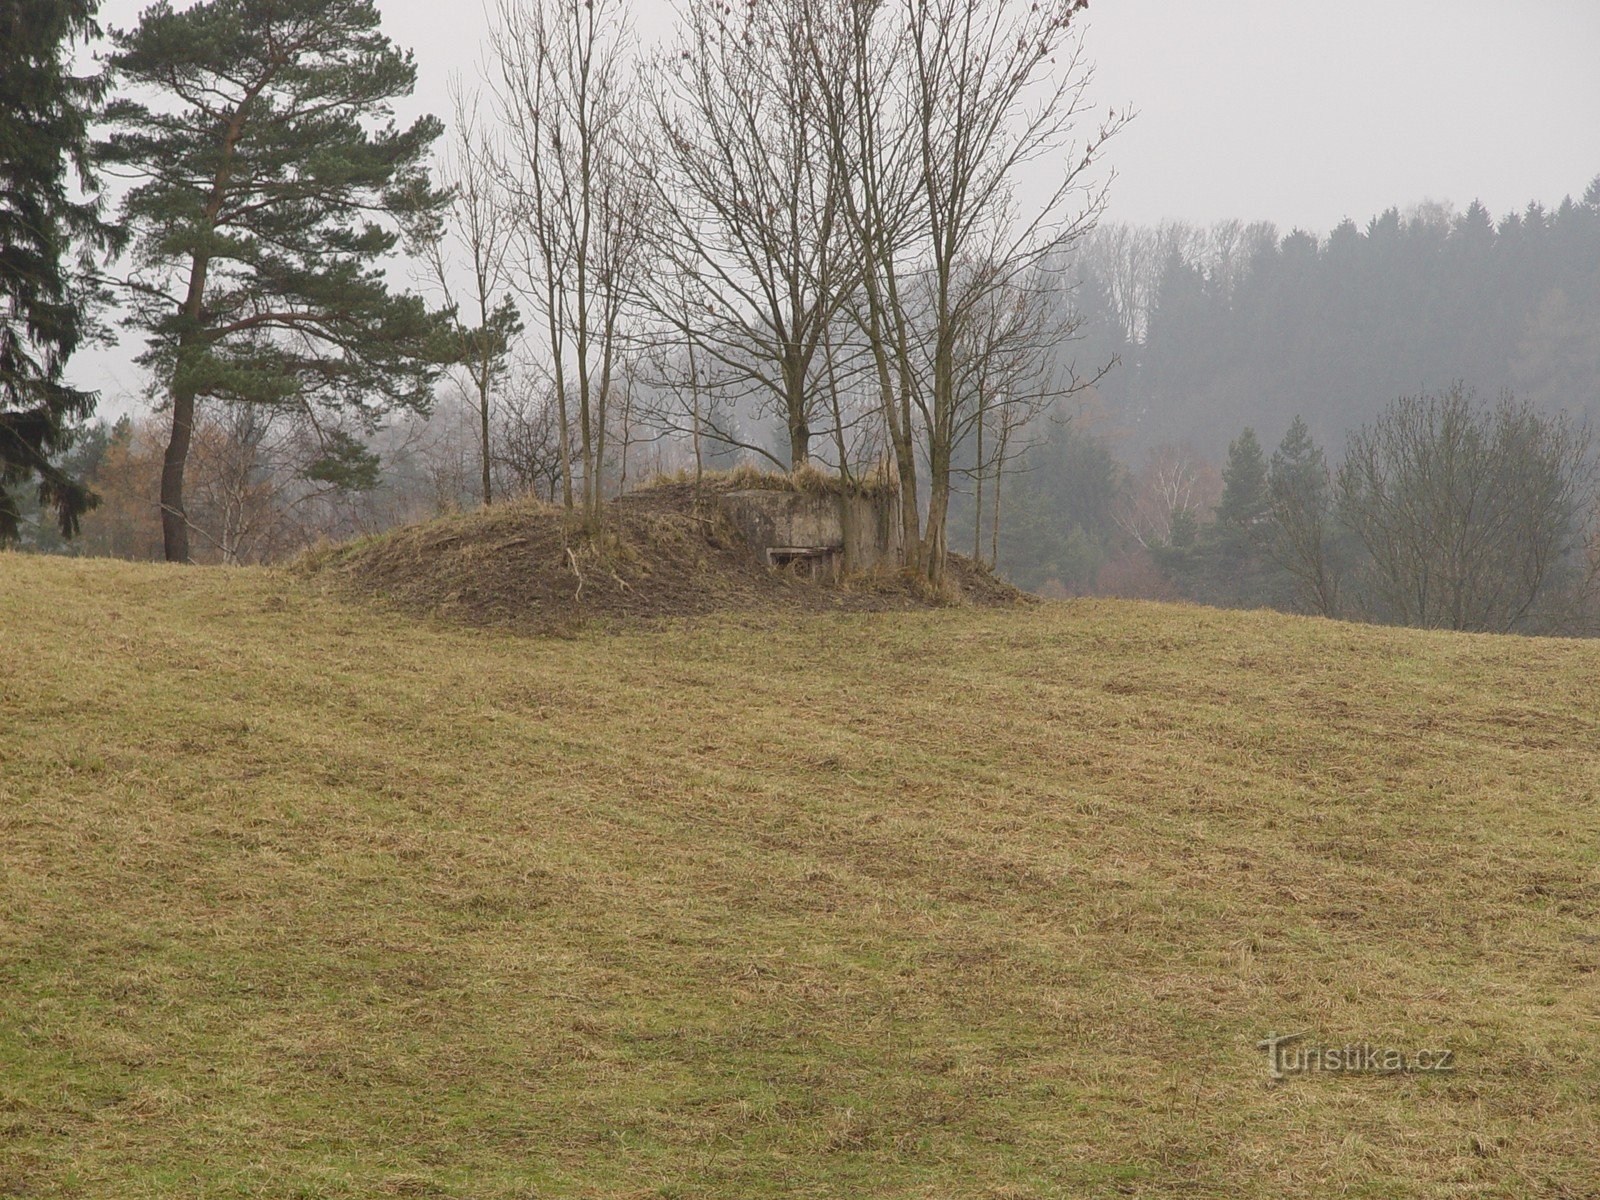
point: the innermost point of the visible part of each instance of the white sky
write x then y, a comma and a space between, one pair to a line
1301, 112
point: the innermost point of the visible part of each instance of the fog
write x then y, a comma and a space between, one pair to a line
1300, 114
1307, 113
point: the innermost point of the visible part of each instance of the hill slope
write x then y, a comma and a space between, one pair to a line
302, 899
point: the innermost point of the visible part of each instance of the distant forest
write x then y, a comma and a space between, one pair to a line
1237, 326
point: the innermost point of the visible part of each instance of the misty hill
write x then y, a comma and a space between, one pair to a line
1238, 325
299, 897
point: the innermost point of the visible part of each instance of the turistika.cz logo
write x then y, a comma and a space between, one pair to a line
1287, 1056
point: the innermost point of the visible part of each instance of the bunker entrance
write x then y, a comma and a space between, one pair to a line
811, 562
816, 536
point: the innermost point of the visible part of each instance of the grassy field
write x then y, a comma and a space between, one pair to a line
298, 899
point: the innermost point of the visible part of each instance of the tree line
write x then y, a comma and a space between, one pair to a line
796, 233
1445, 512
1421, 332
1239, 324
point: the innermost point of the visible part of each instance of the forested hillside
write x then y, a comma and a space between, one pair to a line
1237, 325
1315, 346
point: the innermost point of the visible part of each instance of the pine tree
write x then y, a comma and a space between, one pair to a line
1221, 562
1301, 541
44, 295
1245, 503
1299, 466
273, 183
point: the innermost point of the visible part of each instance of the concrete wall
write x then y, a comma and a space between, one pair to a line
848, 533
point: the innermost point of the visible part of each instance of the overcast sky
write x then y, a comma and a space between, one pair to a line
1301, 112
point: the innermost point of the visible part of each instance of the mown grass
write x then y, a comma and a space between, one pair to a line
302, 899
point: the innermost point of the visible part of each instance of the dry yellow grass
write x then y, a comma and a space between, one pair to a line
664, 551
299, 899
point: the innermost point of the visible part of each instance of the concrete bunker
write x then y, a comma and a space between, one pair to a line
818, 535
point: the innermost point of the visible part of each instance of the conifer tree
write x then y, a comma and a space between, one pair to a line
45, 298
1221, 562
1245, 503
272, 182
1235, 543
1301, 540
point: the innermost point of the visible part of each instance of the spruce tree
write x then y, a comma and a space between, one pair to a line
1299, 469
1224, 564
1301, 539
45, 234
1245, 503
272, 184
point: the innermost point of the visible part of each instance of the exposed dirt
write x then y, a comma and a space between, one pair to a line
665, 551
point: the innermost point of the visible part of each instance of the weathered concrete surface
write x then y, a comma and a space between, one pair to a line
824, 535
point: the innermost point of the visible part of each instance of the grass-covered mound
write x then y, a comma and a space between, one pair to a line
662, 551
300, 898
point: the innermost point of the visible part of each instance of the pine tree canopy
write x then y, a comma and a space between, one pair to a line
1299, 468
272, 183
45, 232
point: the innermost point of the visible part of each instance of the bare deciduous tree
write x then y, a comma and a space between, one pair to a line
474, 238
1468, 513
1005, 385
564, 90
746, 222
1174, 483
934, 108
527, 447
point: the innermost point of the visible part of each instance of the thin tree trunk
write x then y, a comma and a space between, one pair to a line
897, 419
694, 399
563, 435
483, 413
910, 519
837, 410
586, 442
935, 547
627, 437
977, 499
994, 524
608, 344
799, 428
174, 520
601, 405
581, 340
485, 377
